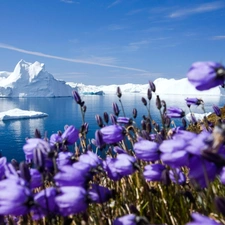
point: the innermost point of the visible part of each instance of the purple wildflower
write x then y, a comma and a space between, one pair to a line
3, 162
36, 178
91, 159
116, 109
55, 140
146, 150
206, 75
99, 194
152, 86
175, 112
113, 119
125, 120
153, 172
64, 158
70, 135
77, 98
14, 197
71, 200
198, 219
34, 143
193, 101
177, 176
112, 134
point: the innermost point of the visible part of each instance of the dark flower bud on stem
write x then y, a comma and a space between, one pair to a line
144, 101
158, 103
149, 94
134, 113
152, 86
116, 109
25, 171
106, 117
118, 92
99, 120
37, 133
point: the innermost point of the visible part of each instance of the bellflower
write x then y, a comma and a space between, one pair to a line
206, 75
198, 219
91, 159
111, 170
55, 140
99, 194
153, 172
14, 197
3, 162
64, 158
70, 135
174, 153
177, 176
193, 101
71, 200
175, 112
112, 134
34, 143
146, 150
36, 178
73, 175
44, 203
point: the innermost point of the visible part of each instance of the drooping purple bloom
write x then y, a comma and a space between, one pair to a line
112, 134
144, 101
175, 112
98, 141
206, 75
125, 120
3, 162
152, 86
216, 110
177, 176
147, 150
64, 158
193, 101
76, 175
99, 194
55, 140
125, 220
116, 109
99, 120
71, 200
174, 153
119, 150
198, 219
34, 143
14, 197
36, 178
44, 203
70, 135
153, 172
77, 98
91, 159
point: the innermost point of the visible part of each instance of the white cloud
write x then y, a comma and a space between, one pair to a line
67, 59
221, 37
207, 7
114, 3
116, 27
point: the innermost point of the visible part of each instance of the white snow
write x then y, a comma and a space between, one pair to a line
14, 114
32, 80
163, 87
198, 116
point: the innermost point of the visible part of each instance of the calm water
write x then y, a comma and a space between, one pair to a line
64, 111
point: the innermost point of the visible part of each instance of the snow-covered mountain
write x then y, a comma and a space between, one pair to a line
163, 86
32, 80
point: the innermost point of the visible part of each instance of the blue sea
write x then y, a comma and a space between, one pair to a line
64, 111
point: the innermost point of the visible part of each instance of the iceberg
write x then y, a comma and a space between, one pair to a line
32, 80
14, 114
163, 87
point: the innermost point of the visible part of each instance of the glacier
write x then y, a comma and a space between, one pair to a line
32, 80
14, 114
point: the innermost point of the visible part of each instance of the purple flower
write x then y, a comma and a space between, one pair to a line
64, 158
55, 140
153, 172
112, 134
91, 159
152, 86
177, 176
199, 219
77, 175
216, 110
36, 178
71, 200
116, 109
99, 194
193, 101
98, 141
3, 162
126, 220
125, 120
77, 98
34, 143
206, 75
70, 135
44, 203
14, 197
175, 112
146, 150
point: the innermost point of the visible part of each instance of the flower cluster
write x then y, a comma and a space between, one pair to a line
128, 174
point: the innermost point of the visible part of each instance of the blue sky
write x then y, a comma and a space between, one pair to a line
112, 41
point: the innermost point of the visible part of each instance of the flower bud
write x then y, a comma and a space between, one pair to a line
118, 92
134, 113
144, 101
106, 117
152, 86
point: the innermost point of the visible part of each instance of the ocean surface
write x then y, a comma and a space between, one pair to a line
65, 111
